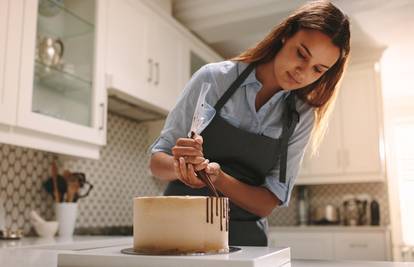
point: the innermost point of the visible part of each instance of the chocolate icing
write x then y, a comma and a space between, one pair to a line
222, 204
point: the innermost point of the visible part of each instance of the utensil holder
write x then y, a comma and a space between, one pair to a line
66, 213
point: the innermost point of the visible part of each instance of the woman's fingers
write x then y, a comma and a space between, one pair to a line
194, 181
202, 165
180, 151
194, 160
198, 139
185, 172
183, 168
188, 142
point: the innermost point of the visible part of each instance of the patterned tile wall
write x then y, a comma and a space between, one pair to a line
321, 195
21, 176
119, 175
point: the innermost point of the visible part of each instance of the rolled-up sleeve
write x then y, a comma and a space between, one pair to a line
296, 149
179, 119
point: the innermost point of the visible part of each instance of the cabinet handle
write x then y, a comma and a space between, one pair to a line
150, 70
358, 245
102, 106
157, 73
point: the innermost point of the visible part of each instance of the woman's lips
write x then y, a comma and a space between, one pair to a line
293, 80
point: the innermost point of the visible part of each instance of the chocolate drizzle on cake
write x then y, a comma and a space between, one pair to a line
222, 206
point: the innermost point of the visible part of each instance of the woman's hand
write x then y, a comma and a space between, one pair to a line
191, 150
189, 158
186, 172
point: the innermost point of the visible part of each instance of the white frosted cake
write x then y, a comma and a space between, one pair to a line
181, 224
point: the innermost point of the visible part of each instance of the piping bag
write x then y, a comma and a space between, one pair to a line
203, 114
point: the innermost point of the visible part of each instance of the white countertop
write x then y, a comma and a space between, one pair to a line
43, 252
328, 228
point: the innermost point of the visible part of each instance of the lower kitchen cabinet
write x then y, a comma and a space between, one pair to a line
302, 245
334, 243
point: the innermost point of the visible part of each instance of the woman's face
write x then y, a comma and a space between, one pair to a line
304, 57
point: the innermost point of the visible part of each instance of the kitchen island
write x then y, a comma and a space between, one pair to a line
44, 252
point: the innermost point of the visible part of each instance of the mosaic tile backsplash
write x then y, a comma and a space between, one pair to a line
120, 174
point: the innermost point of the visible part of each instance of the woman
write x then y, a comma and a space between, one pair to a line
269, 101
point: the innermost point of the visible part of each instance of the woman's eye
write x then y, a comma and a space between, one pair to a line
300, 54
318, 70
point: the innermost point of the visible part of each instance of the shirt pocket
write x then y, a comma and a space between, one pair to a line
232, 120
273, 132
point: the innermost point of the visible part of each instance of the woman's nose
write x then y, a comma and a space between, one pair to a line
298, 74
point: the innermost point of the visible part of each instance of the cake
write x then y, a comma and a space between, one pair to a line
181, 224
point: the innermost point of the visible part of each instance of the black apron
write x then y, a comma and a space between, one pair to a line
246, 156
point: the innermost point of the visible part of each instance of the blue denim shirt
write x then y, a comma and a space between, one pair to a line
240, 111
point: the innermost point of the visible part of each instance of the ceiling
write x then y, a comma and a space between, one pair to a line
231, 26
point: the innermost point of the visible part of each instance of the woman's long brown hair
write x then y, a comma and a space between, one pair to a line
321, 94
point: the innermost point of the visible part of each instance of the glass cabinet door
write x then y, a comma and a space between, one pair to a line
64, 60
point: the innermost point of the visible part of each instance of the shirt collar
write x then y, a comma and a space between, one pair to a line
251, 78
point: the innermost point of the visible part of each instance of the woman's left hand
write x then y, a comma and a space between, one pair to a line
188, 175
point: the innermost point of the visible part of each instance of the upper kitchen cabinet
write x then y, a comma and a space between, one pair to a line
165, 62
352, 150
127, 63
149, 55
62, 90
143, 55
9, 58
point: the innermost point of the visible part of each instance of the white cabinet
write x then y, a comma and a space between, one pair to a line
334, 243
143, 54
360, 246
67, 99
61, 106
302, 245
352, 148
165, 55
149, 54
11, 13
127, 63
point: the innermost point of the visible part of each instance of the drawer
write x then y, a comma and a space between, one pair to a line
360, 246
315, 245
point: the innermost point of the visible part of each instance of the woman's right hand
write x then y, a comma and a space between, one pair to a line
188, 158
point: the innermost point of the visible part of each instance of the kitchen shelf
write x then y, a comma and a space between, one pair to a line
59, 80
65, 24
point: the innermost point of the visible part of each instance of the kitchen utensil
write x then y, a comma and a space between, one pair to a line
203, 114
56, 193
205, 177
9, 234
61, 185
35, 218
47, 229
350, 210
327, 214
375, 212
303, 205
85, 186
50, 51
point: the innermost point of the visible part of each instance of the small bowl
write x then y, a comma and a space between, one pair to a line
46, 229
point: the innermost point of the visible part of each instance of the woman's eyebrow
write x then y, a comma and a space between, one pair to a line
310, 54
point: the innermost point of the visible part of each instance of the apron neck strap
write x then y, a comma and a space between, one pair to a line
234, 86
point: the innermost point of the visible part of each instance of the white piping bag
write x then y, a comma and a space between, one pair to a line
203, 113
